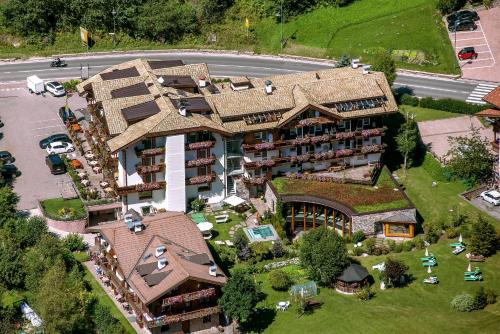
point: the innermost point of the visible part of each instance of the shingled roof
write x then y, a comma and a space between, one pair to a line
224, 110
186, 253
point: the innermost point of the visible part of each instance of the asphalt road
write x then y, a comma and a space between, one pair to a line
221, 65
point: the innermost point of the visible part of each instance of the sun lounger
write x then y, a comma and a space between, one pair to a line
219, 242
458, 250
431, 280
379, 267
473, 278
229, 243
429, 264
476, 271
428, 258
221, 219
457, 244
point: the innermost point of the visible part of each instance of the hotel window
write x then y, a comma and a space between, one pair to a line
192, 137
147, 178
147, 161
316, 114
359, 124
348, 144
293, 132
374, 141
207, 319
366, 121
203, 170
259, 135
145, 195
202, 153
359, 142
203, 188
148, 143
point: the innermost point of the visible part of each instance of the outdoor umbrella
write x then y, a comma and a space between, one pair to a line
460, 238
426, 251
429, 270
469, 267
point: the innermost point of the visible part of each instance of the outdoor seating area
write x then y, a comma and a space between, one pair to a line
283, 306
352, 279
458, 247
429, 261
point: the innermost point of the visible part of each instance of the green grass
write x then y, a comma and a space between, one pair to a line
52, 206
424, 114
221, 230
434, 203
103, 299
417, 308
365, 26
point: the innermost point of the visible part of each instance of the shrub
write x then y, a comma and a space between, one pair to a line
241, 244
227, 255
483, 240
105, 322
451, 233
491, 296
197, 204
358, 236
357, 251
463, 303
448, 6
391, 244
409, 100
74, 242
365, 294
407, 246
260, 250
398, 248
370, 245
432, 234
279, 280
419, 242
394, 273
480, 299
277, 249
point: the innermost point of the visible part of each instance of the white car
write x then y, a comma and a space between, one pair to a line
491, 196
55, 88
59, 147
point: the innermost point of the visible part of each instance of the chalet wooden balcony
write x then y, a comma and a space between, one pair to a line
200, 179
200, 162
265, 163
148, 169
140, 187
150, 152
172, 319
200, 145
188, 297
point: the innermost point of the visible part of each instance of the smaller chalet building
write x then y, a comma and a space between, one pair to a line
163, 269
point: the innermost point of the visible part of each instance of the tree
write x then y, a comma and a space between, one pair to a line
243, 251
166, 20
343, 61
11, 273
28, 231
62, 301
383, 62
104, 321
406, 139
470, 157
448, 6
240, 296
213, 10
394, 273
8, 204
323, 254
277, 248
483, 239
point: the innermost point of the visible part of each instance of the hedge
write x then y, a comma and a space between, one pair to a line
450, 105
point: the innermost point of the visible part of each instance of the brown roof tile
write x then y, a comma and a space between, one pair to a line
493, 97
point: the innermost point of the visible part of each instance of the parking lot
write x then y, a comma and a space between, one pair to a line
486, 42
29, 119
484, 206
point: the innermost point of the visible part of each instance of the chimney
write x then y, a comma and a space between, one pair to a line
162, 263
202, 81
182, 111
268, 87
366, 69
212, 270
160, 250
161, 80
355, 63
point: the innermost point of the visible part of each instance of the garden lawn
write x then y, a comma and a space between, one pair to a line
434, 203
103, 299
417, 308
221, 230
52, 207
424, 114
363, 27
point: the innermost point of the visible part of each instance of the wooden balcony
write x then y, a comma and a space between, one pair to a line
188, 297
200, 145
148, 169
140, 187
150, 152
172, 319
200, 179
200, 162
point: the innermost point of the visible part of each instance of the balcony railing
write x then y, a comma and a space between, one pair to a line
200, 179
200, 145
265, 163
172, 319
150, 152
188, 297
200, 162
140, 187
147, 169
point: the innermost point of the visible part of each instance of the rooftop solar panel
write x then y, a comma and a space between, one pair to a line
156, 64
120, 74
134, 90
141, 111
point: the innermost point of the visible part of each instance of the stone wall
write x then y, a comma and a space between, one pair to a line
270, 198
71, 226
366, 223
241, 189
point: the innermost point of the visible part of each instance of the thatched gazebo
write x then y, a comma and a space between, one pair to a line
353, 279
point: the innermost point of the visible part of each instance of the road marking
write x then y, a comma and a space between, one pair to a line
480, 91
473, 68
468, 39
486, 40
488, 85
461, 47
433, 88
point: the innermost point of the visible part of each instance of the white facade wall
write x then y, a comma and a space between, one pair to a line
175, 173
131, 161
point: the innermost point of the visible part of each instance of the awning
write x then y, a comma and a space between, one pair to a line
234, 200
205, 227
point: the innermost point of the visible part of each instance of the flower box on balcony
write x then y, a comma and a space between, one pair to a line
200, 179
300, 158
320, 139
265, 163
371, 149
300, 141
255, 181
200, 145
152, 151
149, 186
149, 169
264, 146
327, 155
345, 135
344, 153
200, 162
371, 133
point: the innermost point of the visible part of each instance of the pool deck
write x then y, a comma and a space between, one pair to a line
274, 237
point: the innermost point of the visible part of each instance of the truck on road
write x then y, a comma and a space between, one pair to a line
35, 84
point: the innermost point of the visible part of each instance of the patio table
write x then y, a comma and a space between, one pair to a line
104, 184
85, 182
89, 156
93, 163
96, 169
108, 189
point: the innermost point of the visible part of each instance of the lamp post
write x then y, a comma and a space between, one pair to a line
114, 27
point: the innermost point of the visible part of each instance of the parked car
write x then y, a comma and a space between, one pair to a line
67, 115
55, 163
9, 171
467, 53
6, 157
60, 147
55, 88
57, 137
462, 15
462, 25
491, 196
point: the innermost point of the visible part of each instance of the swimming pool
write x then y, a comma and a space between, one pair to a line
261, 233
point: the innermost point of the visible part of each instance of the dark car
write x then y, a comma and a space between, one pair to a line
55, 163
6, 157
67, 115
462, 25
57, 137
462, 15
467, 53
9, 171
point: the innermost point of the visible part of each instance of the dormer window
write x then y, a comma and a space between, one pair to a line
160, 250
162, 263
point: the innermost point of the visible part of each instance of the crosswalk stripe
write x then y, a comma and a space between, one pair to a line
475, 102
479, 96
488, 85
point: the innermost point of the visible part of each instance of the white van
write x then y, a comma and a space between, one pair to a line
35, 84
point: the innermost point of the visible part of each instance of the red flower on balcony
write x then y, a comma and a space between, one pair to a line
201, 145
265, 163
345, 135
301, 141
371, 132
343, 153
264, 146
200, 179
148, 186
320, 139
200, 162
371, 149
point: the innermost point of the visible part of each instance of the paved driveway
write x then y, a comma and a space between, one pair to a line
434, 134
484, 206
486, 41
28, 119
